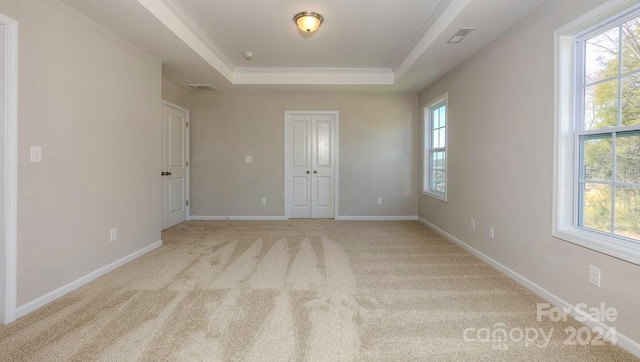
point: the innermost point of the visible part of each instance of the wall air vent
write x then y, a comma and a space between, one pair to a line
203, 87
460, 35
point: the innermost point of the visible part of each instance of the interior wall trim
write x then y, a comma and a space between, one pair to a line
624, 341
378, 218
236, 218
51, 296
9, 242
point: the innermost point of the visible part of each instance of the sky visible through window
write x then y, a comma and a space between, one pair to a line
438, 148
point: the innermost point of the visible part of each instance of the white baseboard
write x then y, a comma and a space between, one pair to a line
376, 218
623, 341
237, 218
278, 218
50, 297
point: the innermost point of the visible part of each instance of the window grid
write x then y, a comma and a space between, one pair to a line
436, 149
583, 134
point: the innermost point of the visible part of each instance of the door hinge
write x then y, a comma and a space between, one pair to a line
187, 163
187, 124
187, 202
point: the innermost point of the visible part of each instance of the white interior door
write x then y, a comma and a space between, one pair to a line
300, 166
311, 155
175, 201
322, 163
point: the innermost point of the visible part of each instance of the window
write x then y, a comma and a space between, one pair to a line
597, 149
435, 148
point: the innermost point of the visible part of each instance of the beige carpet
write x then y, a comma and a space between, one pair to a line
300, 290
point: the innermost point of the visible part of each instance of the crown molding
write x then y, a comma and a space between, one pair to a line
441, 7
176, 20
198, 31
439, 26
316, 76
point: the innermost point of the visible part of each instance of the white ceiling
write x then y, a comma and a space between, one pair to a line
355, 34
363, 45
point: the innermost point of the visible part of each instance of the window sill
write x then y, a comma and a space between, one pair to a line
616, 247
441, 197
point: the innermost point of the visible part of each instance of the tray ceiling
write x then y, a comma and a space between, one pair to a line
379, 45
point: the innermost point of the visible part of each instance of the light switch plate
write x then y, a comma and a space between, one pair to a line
594, 275
248, 159
36, 154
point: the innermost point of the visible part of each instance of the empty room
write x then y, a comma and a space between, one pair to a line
340, 180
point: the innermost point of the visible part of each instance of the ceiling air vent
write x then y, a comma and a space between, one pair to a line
203, 87
460, 35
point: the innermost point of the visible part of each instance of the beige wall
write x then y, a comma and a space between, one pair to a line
378, 152
500, 168
175, 94
92, 102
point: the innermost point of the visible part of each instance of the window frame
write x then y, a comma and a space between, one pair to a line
569, 100
427, 137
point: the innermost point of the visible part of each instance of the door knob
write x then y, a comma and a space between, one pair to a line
314, 171
168, 173
163, 173
307, 172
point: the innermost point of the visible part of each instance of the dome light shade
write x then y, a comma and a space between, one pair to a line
308, 21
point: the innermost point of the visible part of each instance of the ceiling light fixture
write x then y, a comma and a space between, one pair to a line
308, 21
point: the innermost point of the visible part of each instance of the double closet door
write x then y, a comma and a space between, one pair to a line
311, 162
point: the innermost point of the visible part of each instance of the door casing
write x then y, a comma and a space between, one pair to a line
9, 120
287, 154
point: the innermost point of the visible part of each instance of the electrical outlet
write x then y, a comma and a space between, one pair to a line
114, 234
379, 200
473, 224
594, 276
263, 201
492, 232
